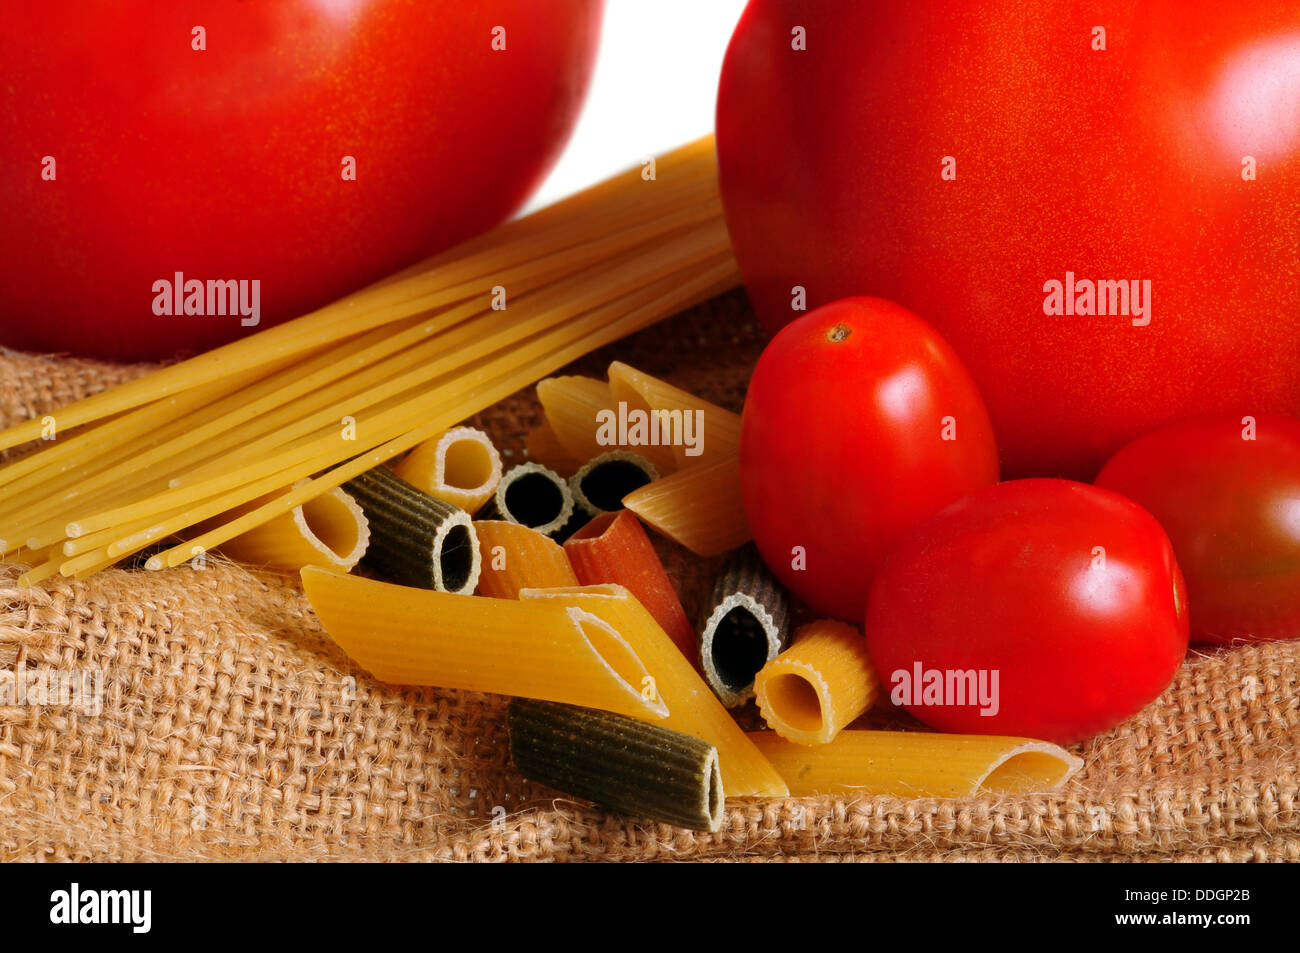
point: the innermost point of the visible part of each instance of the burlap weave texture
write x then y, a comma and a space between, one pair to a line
232, 728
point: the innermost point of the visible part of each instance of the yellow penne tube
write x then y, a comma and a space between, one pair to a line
697, 430
549, 651
693, 708
516, 557
460, 467
571, 405
918, 764
330, 531
815, 688
698, 506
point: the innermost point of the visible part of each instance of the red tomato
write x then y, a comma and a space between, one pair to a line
859, 422
1123, 164
1070, 594
1227, 491
228, 162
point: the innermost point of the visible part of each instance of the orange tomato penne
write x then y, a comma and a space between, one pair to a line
614, 548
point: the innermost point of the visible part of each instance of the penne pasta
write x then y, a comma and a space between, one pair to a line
693, 708
745, 626
698, 506
613, 548
627, 765
330, 530
819, 685
571, 405
533, 496
549, 651
415, 539
515, 557
460, 467
706, 284
918, 764
542, 446
698, 431
601, 483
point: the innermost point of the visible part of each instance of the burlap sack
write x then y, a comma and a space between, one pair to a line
232, 728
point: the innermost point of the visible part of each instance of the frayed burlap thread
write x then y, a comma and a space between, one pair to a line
232, 728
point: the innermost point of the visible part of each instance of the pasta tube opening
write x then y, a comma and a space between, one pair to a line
602, 482
466, 462
334, 524
739, 646
460, 467
1036, 766
536, 497
796, 701
746, 626
457, 566
624, 665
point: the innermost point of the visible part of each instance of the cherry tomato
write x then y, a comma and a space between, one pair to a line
859, 422
959, 157
314, 146
1063, 601
1227, 491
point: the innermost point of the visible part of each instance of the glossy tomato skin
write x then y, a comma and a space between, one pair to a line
1227, 491
1070, 593
228, 162
1119, 164
859, 422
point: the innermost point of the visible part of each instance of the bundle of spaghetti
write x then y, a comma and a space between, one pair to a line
298, 409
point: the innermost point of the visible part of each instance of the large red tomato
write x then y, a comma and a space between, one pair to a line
1170, 156
228, 162
1035, 608
1227, 491
859, 423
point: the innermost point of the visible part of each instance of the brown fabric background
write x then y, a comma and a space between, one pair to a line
233, 729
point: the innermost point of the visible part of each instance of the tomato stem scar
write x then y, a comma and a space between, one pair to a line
838, 333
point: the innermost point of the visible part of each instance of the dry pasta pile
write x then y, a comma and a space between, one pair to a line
330, 445
284, 416
618, 696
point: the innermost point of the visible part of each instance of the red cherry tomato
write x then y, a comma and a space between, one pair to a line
957, 157
1063, 600
1227, 491
859, 422
230, 162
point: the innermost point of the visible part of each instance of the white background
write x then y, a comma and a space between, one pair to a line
654, 87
